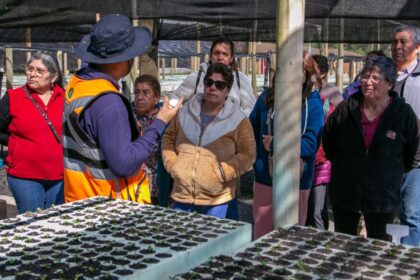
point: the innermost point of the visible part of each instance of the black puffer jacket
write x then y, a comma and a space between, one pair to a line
370, 180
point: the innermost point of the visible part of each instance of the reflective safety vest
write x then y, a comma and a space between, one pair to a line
86, 172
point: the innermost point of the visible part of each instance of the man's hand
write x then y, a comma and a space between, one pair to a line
168, 112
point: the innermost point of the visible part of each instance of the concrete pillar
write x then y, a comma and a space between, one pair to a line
288, 100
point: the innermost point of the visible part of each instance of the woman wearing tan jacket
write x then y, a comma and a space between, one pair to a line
208, 146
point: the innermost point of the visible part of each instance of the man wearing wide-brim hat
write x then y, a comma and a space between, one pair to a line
103, 151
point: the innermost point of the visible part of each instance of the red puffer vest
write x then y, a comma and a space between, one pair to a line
33, 151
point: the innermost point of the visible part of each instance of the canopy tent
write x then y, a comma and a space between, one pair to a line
242, 20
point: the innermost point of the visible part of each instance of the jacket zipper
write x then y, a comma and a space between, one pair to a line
199, 144
200, 137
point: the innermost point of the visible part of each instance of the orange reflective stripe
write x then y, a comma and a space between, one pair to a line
97, 187
73, 180
86, 88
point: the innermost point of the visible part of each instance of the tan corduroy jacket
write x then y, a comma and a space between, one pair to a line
192, 156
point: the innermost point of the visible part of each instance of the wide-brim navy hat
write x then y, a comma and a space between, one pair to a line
113, 39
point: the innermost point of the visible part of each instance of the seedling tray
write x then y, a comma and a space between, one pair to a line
100, 238
307, 253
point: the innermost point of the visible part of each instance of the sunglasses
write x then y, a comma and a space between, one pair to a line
220, 85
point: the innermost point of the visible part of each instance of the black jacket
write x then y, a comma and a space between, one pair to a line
369, 180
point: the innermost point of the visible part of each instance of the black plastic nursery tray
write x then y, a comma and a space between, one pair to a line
100, 238
306, 253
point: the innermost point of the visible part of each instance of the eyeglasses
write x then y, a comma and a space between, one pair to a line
38, 71
220, 85
375, 78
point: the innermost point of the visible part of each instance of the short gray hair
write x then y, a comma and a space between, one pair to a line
50, 63
414, 30
384, 65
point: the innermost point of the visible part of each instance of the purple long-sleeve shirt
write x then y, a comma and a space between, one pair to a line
107, 122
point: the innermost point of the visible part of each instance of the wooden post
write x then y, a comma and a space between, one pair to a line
254, 67
325, 31
352, 75
28, 42
60, 60
195, 63
206, 57
243, 64
175, 63
159, 66
148, 61
128, 81
163, 68
9, 67
198, 50
340, 61
361, 63
287, 105
65, 68
378, 21
172, 66
192, 63
273, 61
134, 72
267, 73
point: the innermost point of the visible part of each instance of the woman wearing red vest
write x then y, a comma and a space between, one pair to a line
30, 125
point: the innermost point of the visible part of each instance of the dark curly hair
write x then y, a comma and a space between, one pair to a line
223, 70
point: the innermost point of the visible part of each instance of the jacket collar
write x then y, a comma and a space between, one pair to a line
416, 70
356, 100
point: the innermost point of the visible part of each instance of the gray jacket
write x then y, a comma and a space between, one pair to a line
244, 94
409, 89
